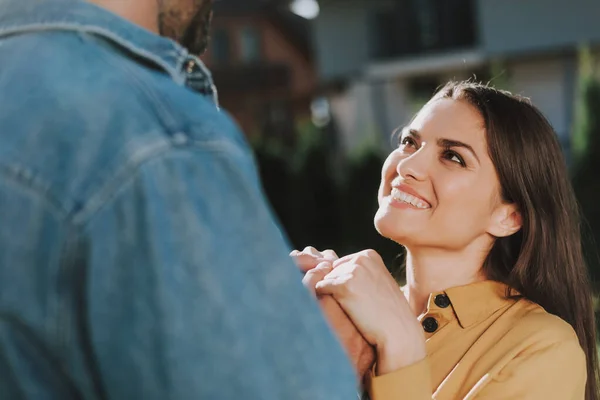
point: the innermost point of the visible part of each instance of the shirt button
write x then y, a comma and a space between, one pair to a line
191, 67
442, 301
430, 324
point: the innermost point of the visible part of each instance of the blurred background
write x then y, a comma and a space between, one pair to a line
318, 86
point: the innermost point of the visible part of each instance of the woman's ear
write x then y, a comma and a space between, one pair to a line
506, 220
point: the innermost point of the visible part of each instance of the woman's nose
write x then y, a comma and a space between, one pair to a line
414, 166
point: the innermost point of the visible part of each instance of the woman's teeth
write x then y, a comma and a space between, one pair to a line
407, 198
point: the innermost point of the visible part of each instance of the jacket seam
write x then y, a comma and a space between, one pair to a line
98, 200
74, 225
27, 181
74, 270
75, 216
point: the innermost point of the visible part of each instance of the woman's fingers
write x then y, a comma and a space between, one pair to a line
330, 255
356, 257
311, 250
306, 262
336, 286
343, 260
369, 295
315, 275
310, 257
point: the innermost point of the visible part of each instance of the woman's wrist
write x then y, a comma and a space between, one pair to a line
395, 353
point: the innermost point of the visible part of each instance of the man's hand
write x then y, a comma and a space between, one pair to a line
316, 265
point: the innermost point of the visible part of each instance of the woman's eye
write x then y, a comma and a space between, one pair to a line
454, 157
407, 141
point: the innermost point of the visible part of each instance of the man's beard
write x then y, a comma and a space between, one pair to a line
190, 29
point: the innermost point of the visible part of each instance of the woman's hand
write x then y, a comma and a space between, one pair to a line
310, 257
316, 265
368, 293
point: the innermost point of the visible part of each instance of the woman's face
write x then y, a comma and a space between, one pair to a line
439, 188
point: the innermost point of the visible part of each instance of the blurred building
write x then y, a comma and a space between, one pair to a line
382, 59
261, 60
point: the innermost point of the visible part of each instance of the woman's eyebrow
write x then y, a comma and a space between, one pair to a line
445, 143
406, 131
455, 143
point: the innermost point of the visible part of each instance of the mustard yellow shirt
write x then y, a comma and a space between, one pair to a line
481, 345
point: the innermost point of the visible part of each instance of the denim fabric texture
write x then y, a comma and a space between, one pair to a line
138, 256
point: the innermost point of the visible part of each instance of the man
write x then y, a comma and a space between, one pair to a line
138, 259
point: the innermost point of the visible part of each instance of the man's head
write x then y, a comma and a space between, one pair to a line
186, 21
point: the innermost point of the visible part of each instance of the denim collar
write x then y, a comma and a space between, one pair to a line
22, 16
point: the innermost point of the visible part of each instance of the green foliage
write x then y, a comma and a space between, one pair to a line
499, 75
586, 151
587, 115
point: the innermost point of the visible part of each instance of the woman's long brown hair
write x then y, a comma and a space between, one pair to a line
544, 260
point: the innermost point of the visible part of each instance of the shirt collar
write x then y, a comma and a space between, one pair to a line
21, 16
472, 303
475, 302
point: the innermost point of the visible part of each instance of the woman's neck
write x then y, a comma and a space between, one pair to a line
429, 271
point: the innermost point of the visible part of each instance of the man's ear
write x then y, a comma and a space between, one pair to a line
506, 220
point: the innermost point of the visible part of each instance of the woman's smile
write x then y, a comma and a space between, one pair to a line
403, 196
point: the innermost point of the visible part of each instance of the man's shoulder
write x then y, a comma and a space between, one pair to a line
68, 68
72, 75
77, 112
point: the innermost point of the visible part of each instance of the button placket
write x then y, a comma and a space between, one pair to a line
197, 80
438, 313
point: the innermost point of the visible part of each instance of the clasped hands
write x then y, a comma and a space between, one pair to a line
365, 307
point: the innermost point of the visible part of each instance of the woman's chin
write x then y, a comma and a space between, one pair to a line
393, 230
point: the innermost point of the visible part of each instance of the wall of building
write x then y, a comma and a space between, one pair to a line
354, 115
252, 107
342, 37
278, 49
549, 83
537, 41
517, 26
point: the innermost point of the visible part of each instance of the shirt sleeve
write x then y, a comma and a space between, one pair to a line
411, 383
557, 371
190, 292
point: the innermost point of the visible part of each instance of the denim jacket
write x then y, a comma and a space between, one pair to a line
138, 257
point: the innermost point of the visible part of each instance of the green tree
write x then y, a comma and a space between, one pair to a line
586, 152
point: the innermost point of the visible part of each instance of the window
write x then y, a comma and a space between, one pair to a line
250, 45
426, 17
221, 47
410, 27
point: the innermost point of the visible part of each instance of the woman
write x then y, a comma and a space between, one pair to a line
497, 303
